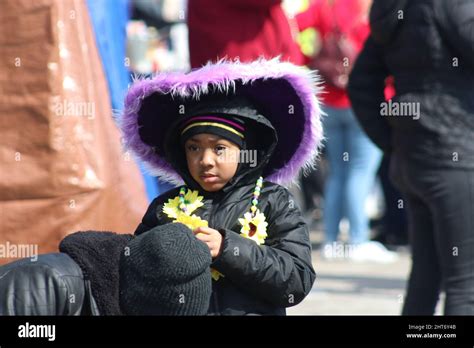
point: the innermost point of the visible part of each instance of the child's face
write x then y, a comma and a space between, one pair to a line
212, 161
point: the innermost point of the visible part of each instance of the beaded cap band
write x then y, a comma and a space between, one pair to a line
228, 127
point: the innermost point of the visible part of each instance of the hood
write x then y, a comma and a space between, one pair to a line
288, 122
384, 19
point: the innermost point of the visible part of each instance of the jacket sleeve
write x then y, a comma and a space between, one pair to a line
53, 284
456, 18
150, 219
153, 216
366, 92
279, 271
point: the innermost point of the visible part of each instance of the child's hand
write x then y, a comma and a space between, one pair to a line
211, 237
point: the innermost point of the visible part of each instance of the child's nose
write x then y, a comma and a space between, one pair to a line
207, 158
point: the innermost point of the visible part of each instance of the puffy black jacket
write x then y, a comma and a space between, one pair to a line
428, 47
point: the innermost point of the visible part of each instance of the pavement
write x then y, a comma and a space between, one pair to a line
345, 287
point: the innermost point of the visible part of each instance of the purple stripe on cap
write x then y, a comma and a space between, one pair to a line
214, 118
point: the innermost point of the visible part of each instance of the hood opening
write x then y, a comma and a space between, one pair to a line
261, 136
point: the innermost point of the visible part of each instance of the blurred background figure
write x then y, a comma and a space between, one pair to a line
392, 228
158, 36
428, 130
244, 29
353, 159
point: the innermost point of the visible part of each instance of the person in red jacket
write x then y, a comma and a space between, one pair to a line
348, 16
244, 29
353, 158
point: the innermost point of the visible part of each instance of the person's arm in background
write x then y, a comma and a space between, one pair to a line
456, 18
366, 92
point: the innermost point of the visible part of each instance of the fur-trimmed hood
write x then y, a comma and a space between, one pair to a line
284, 93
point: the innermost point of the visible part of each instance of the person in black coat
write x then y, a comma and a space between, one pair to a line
428, 130
217, 132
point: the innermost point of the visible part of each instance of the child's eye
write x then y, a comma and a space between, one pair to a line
192, 148
220, 149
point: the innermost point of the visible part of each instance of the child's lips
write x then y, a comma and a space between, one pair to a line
209, 178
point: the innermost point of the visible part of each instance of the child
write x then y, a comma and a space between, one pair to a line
221, 129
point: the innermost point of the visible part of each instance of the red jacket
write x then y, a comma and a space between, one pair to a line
350, 19
246, 29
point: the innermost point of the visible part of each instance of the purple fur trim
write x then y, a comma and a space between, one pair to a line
224, 75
